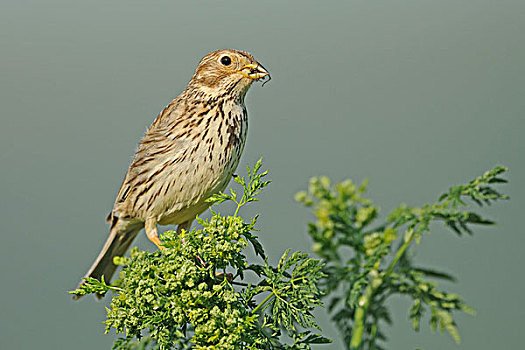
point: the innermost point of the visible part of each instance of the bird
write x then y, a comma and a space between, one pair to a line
189, 153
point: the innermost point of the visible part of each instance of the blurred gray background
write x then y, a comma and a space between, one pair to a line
415, 95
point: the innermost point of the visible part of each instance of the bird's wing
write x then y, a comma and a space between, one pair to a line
159, 145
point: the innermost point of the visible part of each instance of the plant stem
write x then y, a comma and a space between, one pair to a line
239, 205
399, 254
360, 318
364, 301
262, 303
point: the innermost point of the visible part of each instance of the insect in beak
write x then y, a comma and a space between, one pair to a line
255, 72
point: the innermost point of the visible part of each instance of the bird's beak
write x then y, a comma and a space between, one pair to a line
254, 71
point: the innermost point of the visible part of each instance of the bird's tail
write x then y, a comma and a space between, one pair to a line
117, 244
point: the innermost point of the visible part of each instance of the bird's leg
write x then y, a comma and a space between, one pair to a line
184, 226
150, 227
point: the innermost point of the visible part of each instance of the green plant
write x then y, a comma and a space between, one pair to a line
188, 295
366, 264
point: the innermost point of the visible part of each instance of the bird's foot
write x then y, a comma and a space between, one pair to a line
156, 240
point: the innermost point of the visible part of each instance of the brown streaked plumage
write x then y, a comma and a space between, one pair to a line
189, 152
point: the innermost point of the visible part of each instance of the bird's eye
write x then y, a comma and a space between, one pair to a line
226, 60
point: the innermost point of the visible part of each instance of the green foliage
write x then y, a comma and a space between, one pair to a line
188, 295
367, 264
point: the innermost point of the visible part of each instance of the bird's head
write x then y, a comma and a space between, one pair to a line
227, 71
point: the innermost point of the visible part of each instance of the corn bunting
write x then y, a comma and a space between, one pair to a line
189, 153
